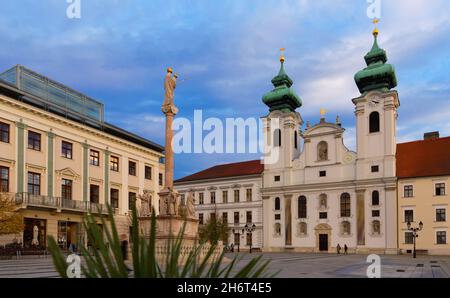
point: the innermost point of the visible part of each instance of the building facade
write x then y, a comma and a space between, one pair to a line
318, 194
231, 193
59, 159
423, 169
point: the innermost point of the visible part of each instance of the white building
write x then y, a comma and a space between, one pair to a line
230, 192
321, 194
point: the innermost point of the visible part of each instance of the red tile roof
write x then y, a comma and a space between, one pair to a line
423, 158
244, 168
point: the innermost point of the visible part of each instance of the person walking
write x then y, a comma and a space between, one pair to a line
338, 248
345, 249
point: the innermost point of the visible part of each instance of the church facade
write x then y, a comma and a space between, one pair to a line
321, 195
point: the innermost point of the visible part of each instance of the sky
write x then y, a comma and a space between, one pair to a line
226, 52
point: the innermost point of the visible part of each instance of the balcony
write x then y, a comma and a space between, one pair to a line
30, 200
27, 200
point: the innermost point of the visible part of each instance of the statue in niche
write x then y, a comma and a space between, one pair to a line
376, 227
277, 229
190, 205
322, 151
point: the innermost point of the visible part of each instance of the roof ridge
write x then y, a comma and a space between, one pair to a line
418, 141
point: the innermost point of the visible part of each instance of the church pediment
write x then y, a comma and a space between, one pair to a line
323, 129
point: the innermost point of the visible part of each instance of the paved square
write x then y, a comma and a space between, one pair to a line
296, 265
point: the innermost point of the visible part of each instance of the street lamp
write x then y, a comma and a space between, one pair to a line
414, 231
237, 232
250, 228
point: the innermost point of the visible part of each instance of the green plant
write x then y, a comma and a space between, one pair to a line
107, 260
213, 230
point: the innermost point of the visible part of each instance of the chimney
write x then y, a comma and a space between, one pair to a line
431, 135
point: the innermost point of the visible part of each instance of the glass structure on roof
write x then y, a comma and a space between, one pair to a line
53, 93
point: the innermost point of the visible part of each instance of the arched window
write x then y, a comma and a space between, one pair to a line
277, 204
345, 228
322, 151
277, 228
374, 122
376, 227
323, 201
345, 205
302, 228
375, 198
302, 207
295, 140
277, 137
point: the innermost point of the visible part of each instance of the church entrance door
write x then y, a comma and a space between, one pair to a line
323, 242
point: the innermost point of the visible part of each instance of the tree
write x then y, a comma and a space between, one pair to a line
213, 230
11, 221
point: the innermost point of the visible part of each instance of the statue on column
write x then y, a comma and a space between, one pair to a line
170, 83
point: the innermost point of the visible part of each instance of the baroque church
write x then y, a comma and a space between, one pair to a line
321, 195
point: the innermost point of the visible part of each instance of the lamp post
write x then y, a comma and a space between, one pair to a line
414, 231
250, 228
239, 233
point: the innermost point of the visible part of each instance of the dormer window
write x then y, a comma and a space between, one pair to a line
322, 151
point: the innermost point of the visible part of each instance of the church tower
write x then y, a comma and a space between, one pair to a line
376, 115
282, 125
376, 124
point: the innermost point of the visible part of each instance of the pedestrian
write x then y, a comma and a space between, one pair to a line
338, 248
345, 248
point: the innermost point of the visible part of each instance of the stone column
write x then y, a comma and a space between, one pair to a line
288, 219
360, 217
20, 156
50, 162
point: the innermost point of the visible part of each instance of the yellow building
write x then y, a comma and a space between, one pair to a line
423, 170
60, 159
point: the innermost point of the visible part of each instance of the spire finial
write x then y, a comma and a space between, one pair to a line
323, 112
282, 55
375, 30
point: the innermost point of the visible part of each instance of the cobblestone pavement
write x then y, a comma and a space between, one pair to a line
295, 265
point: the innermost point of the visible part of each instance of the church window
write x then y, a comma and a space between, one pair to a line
277, 204
375, 169
375, 198
322, 173
345, 205
276, 178
277, 137
374, 122
302, 207
295, 140
322, 151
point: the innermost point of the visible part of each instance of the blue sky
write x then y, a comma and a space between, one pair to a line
227, 52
